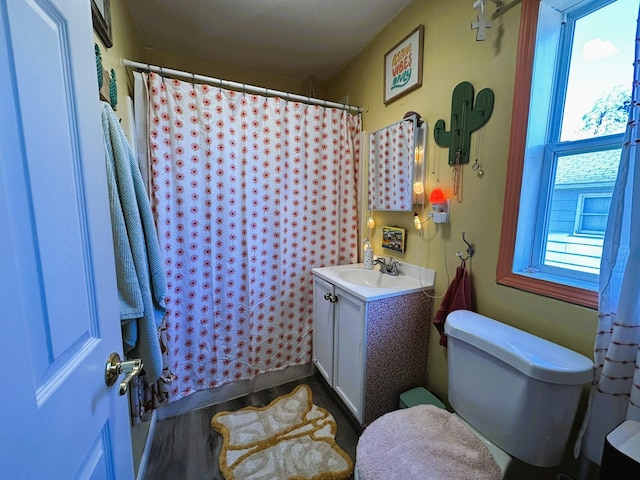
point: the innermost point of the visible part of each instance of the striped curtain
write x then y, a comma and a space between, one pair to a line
615, 395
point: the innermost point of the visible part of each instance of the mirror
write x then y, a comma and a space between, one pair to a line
392, 151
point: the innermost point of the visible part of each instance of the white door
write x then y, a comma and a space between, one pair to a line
58, 304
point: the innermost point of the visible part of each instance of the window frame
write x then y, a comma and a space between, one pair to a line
515, 169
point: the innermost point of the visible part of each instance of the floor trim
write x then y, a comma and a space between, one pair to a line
144, 459
229, 391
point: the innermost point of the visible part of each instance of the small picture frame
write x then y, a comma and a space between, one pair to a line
403, 66
101, 16
394, 238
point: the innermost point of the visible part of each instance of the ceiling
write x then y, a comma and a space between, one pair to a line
290, 38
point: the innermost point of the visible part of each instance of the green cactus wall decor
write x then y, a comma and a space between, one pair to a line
465, 119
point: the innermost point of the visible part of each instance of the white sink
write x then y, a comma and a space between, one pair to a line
374, 279
373, 285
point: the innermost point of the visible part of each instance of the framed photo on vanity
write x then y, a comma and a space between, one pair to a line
101, 15
394, 238
403, 66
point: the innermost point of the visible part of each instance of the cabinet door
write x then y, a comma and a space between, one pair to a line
323, 328
350, 317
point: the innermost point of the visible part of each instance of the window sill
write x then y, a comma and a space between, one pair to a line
578, 296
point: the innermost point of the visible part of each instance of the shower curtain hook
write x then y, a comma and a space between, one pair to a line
193, 80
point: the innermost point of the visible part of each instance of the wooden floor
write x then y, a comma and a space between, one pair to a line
186, 448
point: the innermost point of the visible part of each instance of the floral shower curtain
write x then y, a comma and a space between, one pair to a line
249, 193
615, 395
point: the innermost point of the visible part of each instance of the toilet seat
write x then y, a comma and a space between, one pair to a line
423, 442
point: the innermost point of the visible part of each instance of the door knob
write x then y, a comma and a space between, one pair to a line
115, 367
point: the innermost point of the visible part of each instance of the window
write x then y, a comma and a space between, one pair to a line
566, 142
591, 217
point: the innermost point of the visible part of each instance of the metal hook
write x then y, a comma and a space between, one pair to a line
470, 249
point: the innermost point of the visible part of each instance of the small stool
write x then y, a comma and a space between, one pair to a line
419, 396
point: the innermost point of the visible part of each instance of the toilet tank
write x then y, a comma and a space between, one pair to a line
518, 390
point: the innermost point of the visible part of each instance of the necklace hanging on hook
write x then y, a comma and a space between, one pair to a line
477, 167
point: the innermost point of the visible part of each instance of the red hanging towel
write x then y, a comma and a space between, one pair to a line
457, 297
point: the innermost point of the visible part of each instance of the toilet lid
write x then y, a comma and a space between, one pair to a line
423, 442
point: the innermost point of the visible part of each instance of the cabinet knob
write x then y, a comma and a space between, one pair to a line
331, 297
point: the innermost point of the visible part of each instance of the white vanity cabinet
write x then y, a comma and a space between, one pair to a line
338, 342
369, 350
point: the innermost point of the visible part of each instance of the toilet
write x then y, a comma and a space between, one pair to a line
514, 392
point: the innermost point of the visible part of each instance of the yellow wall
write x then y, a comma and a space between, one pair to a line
452, 55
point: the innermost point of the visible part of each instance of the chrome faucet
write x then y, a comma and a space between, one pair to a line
390, 269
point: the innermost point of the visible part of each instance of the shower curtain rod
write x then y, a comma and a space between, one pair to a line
238, 86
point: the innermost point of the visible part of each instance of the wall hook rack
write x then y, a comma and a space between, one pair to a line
107, 87
465, 119
471, 250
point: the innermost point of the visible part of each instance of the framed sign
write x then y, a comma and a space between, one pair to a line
101, 16
403, 66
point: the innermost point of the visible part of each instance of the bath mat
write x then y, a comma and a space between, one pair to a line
291, 438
